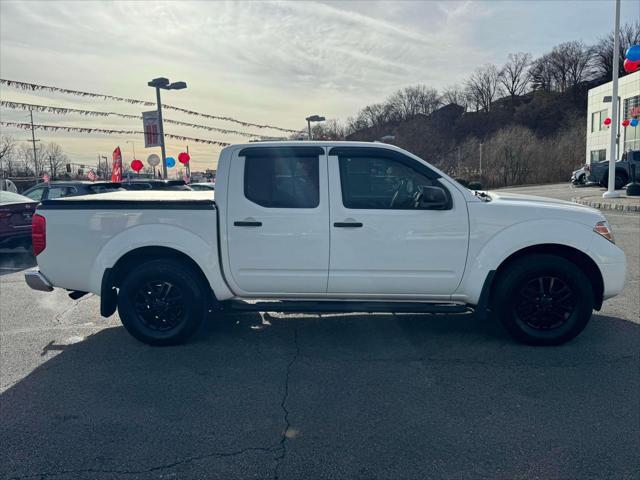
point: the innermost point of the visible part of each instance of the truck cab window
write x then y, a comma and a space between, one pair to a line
282, 181
382, 183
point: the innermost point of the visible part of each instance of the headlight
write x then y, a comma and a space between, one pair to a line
602, 228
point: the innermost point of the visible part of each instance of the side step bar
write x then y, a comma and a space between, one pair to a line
344, 307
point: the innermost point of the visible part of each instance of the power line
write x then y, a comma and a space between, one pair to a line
29, 126
35, 87
96, 113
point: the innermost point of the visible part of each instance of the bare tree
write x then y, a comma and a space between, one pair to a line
33, 165
570, 64
483, 87
603, 50
7, 147
514, 76
411, 101
54, 158
454, 94
332, 129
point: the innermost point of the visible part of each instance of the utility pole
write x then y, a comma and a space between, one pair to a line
611, 190
106, 167
33, 141
480, 160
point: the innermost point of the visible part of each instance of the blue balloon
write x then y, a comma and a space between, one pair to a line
171, 162
634, 122
633, 53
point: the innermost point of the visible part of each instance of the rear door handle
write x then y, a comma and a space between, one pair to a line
247, 224
347, 224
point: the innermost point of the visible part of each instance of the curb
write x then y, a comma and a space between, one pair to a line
608, 206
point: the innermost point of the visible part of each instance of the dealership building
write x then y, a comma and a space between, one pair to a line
599, 134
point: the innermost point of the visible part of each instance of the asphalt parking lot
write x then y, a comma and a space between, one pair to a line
331, 396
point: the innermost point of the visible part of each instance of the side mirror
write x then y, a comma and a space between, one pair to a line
433, 198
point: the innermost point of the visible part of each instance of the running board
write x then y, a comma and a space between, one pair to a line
289, 306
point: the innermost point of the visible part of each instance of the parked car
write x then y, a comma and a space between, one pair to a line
579, 177
15, 220
329, 227
59, 189
154, 184
599, 171
202, 186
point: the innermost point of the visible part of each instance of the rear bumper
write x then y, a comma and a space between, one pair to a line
37, 281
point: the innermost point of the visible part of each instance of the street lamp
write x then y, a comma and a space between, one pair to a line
313, 118
164, 84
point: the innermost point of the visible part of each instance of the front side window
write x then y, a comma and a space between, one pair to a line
35, 194
59, 192
282, 181
385, 183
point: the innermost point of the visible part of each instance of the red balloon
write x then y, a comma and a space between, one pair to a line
625, 123
137, 165
630, 66
607, 121
184, 158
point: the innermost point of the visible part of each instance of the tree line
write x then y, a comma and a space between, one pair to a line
529, 114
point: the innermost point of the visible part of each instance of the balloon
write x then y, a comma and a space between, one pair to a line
607, 121
153, 160
634, 122
171, 162
625, 123
184, 158
136, 165
630, 66
633, 53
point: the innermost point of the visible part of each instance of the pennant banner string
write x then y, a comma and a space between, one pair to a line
95, 113
27, 126
133, 101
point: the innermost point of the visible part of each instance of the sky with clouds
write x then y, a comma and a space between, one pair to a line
262, 62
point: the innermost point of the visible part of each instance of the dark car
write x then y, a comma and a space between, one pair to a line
202, 186
15, 220
52, 190
154, 184
599, 171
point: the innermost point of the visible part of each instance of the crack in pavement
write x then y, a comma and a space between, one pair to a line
151, 469
58, 316
283, 404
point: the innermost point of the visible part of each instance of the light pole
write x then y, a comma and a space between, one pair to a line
163, 83
106, 166
133, 146
611, 190
313, 118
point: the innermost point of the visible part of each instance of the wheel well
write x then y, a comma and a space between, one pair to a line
144, 254
582, 260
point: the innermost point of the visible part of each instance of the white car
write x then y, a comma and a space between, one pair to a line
329, 227
202, 186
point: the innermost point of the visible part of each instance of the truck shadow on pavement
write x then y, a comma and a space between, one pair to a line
351, 396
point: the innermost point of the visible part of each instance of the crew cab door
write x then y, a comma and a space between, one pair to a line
388, 238
278, 221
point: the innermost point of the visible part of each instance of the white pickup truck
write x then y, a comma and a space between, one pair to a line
329, 227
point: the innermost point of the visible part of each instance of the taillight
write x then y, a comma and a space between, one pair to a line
38, 233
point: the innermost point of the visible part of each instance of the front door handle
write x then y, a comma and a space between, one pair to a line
347, 224
247, 224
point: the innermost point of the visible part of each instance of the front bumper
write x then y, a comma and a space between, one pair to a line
37, 281
613, 276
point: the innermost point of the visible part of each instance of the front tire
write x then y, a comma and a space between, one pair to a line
543, 299
162, 302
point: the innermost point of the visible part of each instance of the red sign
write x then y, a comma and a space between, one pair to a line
116, 170
151, 126
45, 178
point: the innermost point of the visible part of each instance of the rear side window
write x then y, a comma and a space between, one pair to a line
282, 181
59, 192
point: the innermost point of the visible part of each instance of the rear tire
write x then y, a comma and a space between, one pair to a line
543, 299
162, 302
620, 181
